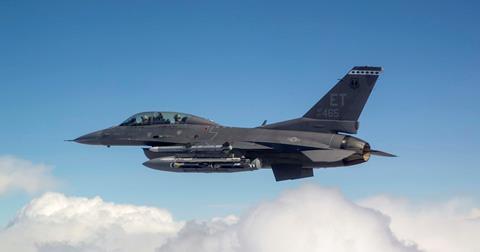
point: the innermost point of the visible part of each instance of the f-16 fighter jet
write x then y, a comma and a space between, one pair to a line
180, 142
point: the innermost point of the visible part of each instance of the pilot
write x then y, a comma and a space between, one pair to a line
145, 120
138, 120
158, 118
178, 119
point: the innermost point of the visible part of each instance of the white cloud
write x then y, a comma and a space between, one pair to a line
55, 222
442, 226
309, 218
18, 174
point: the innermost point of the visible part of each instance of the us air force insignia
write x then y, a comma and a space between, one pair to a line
293, 139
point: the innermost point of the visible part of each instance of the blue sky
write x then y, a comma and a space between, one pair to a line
69, 68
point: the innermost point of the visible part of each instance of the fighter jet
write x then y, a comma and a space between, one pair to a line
321, 138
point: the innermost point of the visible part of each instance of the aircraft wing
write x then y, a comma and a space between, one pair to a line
250, 146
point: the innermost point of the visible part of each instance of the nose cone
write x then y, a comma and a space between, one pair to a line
91, 138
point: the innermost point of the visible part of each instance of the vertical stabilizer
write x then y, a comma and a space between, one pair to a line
345, 101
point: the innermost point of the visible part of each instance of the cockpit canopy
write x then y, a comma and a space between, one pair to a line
154, 118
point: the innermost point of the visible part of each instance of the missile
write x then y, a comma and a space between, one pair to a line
187, 162
193, 148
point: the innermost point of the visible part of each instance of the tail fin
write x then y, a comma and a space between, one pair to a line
345, 101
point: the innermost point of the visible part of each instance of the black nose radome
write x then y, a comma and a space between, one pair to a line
91, 138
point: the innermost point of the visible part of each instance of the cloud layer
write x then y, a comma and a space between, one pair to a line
22, 175
55, 222
443, 226
309, 218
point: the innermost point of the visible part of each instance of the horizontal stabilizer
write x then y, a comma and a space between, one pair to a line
381, 153
327, 155
285, 172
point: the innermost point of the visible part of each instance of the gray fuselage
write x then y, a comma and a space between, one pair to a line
269, 145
